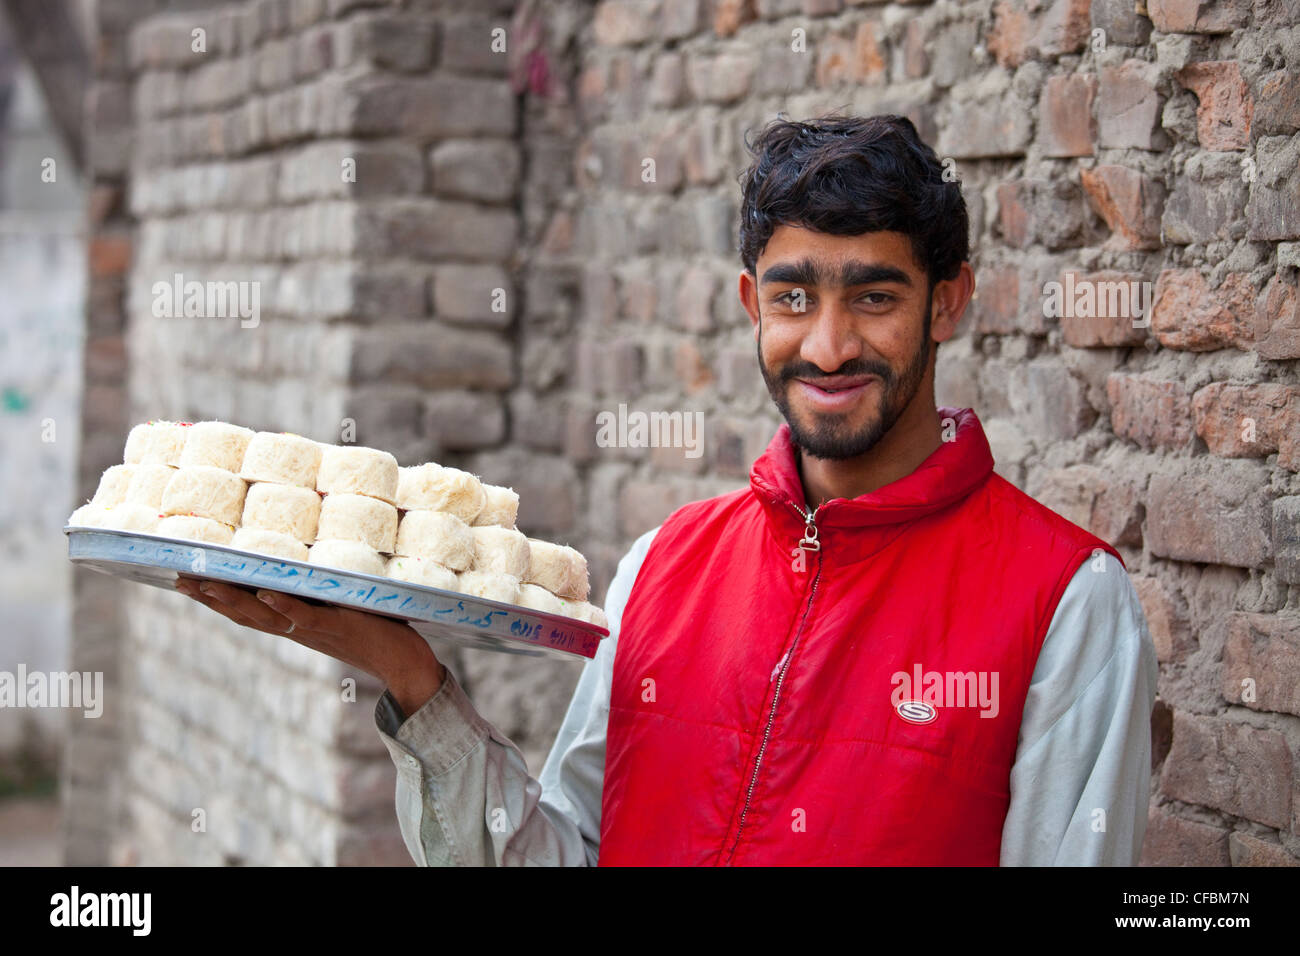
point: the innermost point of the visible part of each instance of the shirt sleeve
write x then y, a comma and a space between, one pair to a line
1080, 783
464, 795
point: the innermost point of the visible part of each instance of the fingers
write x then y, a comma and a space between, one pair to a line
305, 616
238, 603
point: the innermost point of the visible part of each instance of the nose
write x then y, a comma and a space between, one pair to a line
832, 338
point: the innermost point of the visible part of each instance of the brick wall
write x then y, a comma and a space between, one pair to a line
1090, 140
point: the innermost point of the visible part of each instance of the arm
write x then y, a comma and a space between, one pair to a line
1080, 782
464, 794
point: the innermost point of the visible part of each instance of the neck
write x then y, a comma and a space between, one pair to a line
900, 451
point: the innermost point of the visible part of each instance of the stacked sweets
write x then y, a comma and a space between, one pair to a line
339, 506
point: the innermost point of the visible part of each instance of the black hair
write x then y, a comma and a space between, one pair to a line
848, 175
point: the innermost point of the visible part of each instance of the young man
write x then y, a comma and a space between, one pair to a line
879, 652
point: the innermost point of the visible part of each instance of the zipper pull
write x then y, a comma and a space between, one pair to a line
809, 541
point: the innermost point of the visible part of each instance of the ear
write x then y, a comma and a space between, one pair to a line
950, 299
747, 289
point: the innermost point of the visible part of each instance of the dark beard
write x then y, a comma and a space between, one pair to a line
827, 440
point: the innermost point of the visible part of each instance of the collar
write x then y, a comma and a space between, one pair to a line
950, 473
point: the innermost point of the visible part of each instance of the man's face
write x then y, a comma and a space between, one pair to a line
843, 330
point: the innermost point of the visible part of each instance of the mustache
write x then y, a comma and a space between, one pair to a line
811, 373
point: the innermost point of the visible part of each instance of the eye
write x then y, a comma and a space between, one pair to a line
885, 298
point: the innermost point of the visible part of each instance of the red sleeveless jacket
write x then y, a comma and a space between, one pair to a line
778, 704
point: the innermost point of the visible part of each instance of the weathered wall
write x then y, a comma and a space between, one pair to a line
1161, 148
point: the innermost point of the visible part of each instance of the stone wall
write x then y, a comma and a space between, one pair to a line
1089, 139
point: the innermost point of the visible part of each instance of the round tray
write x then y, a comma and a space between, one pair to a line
432, 612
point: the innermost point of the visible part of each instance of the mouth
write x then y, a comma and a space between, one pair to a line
835, 394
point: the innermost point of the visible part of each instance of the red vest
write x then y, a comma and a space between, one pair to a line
856, 703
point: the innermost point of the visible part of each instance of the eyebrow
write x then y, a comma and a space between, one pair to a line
853, 272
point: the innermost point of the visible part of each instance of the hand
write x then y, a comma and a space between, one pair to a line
383, 647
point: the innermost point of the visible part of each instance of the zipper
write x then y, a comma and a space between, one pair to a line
809, 542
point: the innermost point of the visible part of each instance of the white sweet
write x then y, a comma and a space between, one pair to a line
501, 507
438, 536
558, 568
539, 599
207, 492
503, 550
89, 515
131, 518
346, 556
288, 509
113, 485
356, 470
216, 444
194, 528
431, 487
156, 443
423, 571
147, 485
489, 585
274, 544
345, 517
283, 458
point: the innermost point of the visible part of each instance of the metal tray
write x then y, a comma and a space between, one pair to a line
434, 613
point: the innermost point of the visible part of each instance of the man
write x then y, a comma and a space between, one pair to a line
879, 652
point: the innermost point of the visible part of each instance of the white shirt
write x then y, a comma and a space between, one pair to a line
1079, 785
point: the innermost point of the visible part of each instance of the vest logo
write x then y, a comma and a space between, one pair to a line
916, 711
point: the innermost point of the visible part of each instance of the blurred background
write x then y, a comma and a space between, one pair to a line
475, 226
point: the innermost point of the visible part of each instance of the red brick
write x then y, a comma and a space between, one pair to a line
730, 15
1149, 411
1129, 108
1188, 315
1221, 517
1064, 27
1167, 619
916, 63
1040, 211
1236, 768
109, 255
1224, 114
1222, 411
1197, 16
692, 371
1247, 850
1172, 841
1277, 320
623, 22
834, 60
1095, 500
1008, 38
869, 63
995, 306
1116, 301
1065, 122
1264, 648
1130, 202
